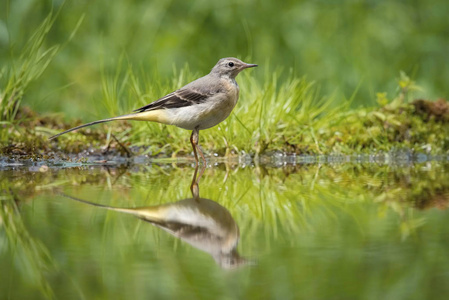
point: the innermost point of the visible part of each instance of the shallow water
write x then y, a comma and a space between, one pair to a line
284, 228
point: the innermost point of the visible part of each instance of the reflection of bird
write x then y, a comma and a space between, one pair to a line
201, 104
202, 223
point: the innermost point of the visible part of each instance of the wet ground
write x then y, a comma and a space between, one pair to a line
273, 227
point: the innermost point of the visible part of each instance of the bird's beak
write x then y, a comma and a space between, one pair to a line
249, 66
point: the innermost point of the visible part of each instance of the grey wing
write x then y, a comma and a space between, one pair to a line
180, 98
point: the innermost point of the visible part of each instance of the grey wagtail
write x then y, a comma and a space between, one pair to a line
201, 222
201, 104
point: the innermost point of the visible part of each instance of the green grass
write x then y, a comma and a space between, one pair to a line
21, 71
281, 113
346, 46
277, 111
267, 114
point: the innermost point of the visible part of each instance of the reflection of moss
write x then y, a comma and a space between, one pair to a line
410, 184
406, 185
429, 199
290, 199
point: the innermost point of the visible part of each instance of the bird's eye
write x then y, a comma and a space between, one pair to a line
231, 64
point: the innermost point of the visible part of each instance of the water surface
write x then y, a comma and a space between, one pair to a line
272, 230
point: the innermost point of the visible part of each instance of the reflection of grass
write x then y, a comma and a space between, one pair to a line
323, 211
31, 258
287, 196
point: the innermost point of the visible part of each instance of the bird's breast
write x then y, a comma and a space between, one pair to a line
232, 89
209, 113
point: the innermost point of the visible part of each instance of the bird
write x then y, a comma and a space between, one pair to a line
200, 222
201, 104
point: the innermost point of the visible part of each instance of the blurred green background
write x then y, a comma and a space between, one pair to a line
345, 46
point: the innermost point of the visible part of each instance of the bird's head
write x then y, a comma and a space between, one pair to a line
230, 67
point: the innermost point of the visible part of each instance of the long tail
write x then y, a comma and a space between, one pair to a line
124, 117
149, 214
153, 115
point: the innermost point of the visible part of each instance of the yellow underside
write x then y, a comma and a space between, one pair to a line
159, 116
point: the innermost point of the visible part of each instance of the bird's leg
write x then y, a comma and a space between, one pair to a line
197, 138
202, 155
194, 139
194, 148
203, 168
194, 188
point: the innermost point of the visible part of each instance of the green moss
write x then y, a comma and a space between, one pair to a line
393, 125
396, 125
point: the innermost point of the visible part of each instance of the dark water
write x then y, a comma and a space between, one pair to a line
326, 228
